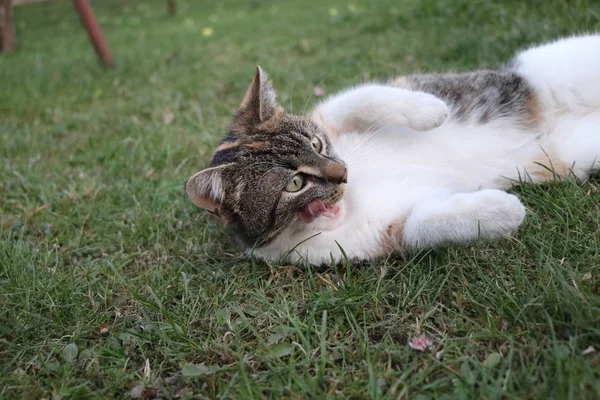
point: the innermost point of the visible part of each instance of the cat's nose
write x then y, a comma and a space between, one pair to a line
337, 173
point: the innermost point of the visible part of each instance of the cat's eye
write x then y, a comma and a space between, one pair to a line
316, 144
295, 184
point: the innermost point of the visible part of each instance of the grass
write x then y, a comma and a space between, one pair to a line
95, 229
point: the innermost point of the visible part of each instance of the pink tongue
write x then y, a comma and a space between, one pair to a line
311, 211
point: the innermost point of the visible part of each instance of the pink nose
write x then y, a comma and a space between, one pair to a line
337, 173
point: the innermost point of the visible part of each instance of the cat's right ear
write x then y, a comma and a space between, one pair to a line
259, 103
205, 189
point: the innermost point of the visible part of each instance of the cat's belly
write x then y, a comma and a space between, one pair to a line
455, 157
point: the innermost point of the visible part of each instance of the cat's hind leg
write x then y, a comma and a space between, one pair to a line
574, 145
462, 218
564, 73
566, 77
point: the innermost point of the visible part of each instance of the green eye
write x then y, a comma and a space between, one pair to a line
295, 184
316, 144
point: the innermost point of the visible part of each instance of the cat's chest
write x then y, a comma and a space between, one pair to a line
383, 180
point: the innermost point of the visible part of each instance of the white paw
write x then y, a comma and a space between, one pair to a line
500, 214
426, 112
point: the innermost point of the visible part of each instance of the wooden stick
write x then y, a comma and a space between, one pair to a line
7, 29
172, 7
88, 19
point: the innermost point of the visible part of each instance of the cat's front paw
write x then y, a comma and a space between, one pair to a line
427, 112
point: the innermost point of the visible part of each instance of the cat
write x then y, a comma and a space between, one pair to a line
418, 162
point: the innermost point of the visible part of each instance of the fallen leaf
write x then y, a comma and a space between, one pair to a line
136, 392
276, 337
587, 276
588, 351
492, 360
281, 350
150, 393
41, 208
168, 116
196, 370
70, 352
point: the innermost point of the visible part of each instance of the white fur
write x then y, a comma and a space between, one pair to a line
379, 105
444, 185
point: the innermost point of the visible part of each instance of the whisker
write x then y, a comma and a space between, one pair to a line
277, 231
292, 91
303, 110
366, 135
364, 138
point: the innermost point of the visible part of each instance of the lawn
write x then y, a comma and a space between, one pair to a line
113, 284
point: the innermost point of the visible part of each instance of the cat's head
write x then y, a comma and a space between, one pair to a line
271, 169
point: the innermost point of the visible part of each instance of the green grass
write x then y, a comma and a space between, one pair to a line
95, 229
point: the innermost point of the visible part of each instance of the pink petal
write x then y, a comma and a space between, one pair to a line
420, 343
318, 91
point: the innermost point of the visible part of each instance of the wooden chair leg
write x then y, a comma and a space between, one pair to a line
7, 29
172, 7
89, 21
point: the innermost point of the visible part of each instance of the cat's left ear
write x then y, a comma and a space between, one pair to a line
260, 102
205, 189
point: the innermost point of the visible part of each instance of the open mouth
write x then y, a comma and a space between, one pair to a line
316, 209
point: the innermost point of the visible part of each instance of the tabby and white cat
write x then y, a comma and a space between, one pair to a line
418, 162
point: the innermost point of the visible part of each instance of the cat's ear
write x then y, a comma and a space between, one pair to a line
260, 102
205, 189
